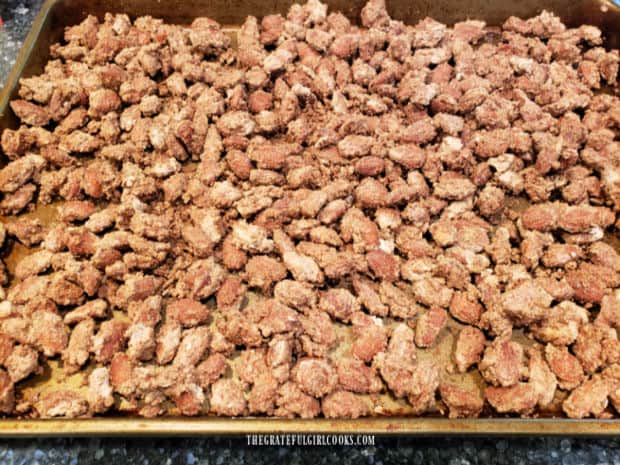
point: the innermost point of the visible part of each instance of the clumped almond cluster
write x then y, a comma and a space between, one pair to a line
227, 216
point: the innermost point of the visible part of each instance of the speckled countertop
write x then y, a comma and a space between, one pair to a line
225, 451
17, 16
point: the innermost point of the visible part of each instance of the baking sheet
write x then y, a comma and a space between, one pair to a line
391, 418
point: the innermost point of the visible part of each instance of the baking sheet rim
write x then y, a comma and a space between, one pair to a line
385, 426
242, 426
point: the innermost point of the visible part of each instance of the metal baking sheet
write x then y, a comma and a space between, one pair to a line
48, 28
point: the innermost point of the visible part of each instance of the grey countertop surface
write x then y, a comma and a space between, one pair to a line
17, 16
224, 451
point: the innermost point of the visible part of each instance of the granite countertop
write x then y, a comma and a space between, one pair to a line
17, 16
233, 451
